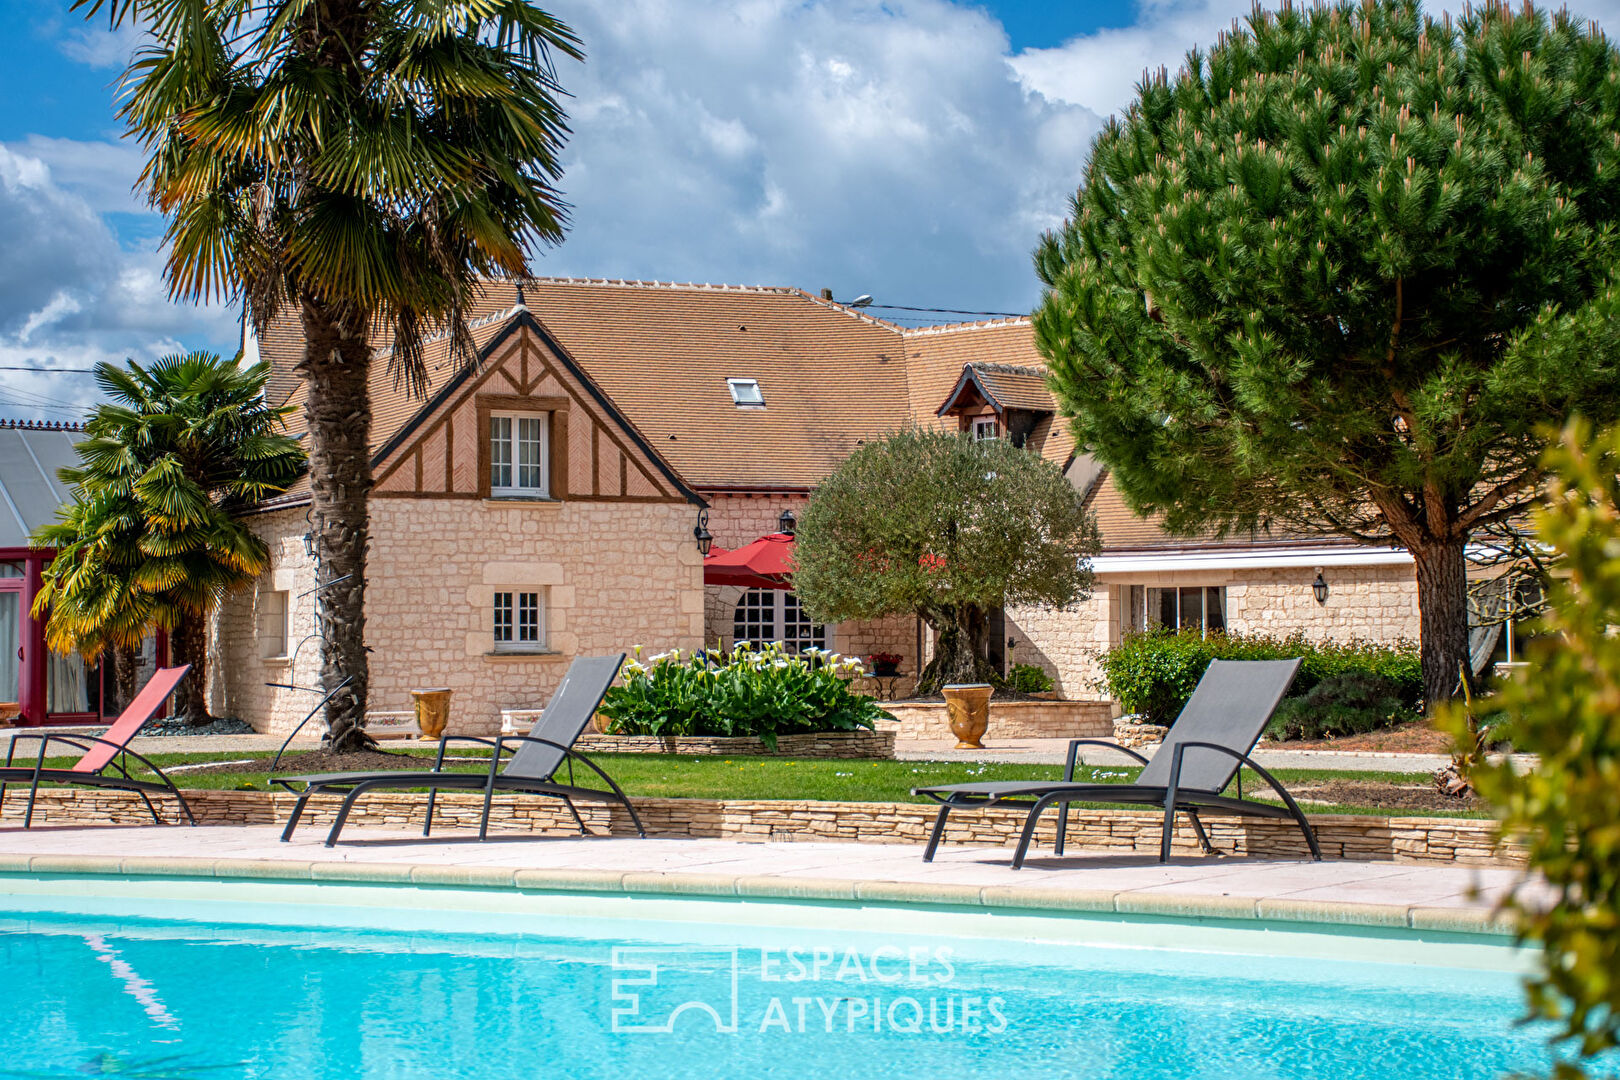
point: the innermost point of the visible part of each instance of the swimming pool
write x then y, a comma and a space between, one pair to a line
309, 983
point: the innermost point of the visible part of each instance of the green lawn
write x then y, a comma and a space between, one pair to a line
712, 777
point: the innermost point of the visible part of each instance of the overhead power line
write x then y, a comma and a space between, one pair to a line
950, 311
49, 370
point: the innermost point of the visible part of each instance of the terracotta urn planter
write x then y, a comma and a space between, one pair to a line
967, 707
432, 711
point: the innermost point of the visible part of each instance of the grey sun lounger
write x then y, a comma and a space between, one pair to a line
531, 769
103, 761
1211, 739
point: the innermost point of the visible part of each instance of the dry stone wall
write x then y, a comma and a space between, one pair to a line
1130, 832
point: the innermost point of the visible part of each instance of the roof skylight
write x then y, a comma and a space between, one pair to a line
746, 394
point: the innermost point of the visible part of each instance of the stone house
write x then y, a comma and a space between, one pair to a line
544, 503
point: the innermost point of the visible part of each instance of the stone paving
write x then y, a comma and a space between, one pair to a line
1386, 893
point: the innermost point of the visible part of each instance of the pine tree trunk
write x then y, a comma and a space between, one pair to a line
1442, 582
191, 642
337, 361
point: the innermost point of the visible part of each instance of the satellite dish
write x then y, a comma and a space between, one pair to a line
860, 301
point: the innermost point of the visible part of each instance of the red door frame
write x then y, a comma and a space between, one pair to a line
33, 672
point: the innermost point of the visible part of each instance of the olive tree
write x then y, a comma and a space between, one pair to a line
949, 529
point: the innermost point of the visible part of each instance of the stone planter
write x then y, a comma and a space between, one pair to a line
823, 744
432, 711
967, 708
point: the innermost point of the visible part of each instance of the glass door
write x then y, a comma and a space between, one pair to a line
11, 614
10, 642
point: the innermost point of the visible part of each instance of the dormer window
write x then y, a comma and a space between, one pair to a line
746, 394
986, 427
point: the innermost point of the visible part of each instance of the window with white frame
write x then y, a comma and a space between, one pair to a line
274, 610
1185, 607
774, 615
986, 427
520, 455
519, 622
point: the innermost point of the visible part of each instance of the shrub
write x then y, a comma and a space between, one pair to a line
1345, 704
762, 692
1153, 673
1029, 679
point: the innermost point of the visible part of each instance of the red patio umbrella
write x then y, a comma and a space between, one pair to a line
767, 563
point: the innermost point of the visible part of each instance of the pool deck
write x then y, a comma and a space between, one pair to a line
1397, 895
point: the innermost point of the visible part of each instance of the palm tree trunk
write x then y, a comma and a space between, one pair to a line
191, 642
337, 361
124, 659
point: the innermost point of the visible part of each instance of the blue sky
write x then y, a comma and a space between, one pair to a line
910, 149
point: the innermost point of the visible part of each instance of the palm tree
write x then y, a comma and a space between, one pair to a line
154, 535
365, 163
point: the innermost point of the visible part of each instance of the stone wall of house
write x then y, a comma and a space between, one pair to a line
613, 575
1065, 644
240, 669
736, 520
1376, 603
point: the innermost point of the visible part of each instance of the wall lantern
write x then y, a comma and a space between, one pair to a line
787, 523
1319, 588
705, 539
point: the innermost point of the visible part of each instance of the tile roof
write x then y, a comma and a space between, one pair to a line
1015, 387
1122, 530
663, 351
1002, 386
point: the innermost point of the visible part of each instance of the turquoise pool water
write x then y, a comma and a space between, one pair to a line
186, 999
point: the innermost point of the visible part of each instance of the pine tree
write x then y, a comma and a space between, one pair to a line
1332, 275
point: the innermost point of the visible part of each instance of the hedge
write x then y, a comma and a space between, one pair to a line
1153, 673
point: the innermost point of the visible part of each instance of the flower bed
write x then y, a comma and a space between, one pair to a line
764, 693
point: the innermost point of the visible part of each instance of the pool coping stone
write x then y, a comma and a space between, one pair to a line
1000, 898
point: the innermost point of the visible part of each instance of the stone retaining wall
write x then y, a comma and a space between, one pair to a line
1008, 720
823, 744
1467, 841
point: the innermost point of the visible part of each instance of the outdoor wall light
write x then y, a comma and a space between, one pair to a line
705, 539
1319, 588
787, 523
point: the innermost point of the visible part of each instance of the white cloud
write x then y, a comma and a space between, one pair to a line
70, 295
94, 44
1100, 70
868, 147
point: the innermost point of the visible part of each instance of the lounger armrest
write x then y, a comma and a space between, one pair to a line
571, 754
1243, 759
46, 738
446, 740
1074, 753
